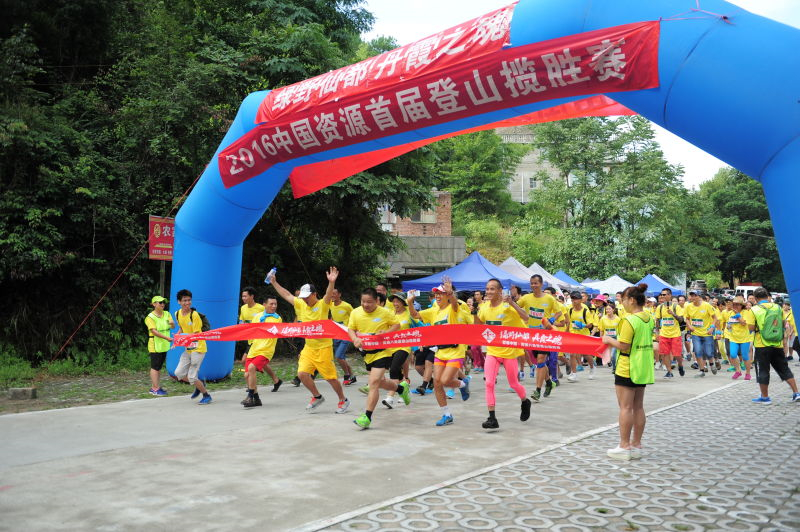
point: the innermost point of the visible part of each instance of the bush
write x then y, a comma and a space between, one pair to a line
14, 371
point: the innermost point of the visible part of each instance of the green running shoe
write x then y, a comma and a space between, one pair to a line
406, 393
364, 390
362, 421
536, 396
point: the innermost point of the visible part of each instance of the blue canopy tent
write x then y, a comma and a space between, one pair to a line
655, 284
470, 274
562, 275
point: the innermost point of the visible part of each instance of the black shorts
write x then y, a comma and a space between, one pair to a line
381, 363
541, 353
771, 356
157, 360
423, 355
627, 382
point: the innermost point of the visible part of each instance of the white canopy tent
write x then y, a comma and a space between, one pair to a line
515, 268
549, 278
612, 285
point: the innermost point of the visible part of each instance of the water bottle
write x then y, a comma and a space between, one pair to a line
272, 272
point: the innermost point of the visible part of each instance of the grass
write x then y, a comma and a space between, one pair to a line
70, 382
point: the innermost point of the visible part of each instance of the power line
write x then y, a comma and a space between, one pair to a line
751, 234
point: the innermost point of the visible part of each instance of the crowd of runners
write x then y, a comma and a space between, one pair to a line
701, 334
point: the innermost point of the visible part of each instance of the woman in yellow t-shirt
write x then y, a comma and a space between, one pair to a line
630, 395
740, 326
609, 324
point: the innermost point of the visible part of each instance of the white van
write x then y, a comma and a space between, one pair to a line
746, 289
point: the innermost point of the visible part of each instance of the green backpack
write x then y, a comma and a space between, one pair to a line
642, 357
771, 329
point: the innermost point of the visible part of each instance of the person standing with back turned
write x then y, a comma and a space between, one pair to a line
769, 346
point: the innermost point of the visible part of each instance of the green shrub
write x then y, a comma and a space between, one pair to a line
14, 371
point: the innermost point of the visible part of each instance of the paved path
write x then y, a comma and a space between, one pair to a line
167, 464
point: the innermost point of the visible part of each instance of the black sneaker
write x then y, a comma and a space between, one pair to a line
525, 410
491, 424
252, 401
420, 390
548, 387
695, 366
277, 385
296, 382
681, 370
713, 369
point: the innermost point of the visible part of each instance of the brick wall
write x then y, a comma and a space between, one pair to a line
442, 226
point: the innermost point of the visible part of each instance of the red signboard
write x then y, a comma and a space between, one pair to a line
462, 72
161, 237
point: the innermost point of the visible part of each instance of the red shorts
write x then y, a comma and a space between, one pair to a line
670, 346
259, 362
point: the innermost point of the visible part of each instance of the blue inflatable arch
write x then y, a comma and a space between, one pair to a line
729, 86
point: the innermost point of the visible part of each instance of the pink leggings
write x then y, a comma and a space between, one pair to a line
491, 367
477, 356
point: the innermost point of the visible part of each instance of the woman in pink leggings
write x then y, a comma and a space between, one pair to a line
502, 310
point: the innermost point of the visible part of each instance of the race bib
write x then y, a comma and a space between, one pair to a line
697, 323
667, 322
536, 313
611, 332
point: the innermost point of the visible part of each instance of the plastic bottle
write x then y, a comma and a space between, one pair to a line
272, 272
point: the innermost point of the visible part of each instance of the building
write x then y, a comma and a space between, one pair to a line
524, 179
427, 235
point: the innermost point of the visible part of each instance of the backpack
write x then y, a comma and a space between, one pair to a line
206, 325
772, 328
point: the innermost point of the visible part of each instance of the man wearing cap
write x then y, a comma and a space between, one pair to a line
159, 324
579, 321
669, 317
700, 321
317, 354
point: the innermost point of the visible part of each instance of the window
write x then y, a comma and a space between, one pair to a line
424, 217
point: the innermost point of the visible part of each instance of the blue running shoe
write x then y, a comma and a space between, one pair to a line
428, 391
796, 397
465, 390
450, 393
205, 400
161, 392
195, 394
762, 401
446, 420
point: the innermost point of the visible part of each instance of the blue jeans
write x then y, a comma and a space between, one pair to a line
703, 346
340, 347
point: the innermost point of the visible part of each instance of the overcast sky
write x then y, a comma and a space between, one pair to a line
411, 20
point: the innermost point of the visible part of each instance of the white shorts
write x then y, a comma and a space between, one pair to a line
189, 365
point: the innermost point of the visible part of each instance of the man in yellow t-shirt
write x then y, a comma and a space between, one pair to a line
700, 320
340, 313
248, 309
259, 356
543, 313
317, 354
192, 357
669, 318
368, 319
579, 320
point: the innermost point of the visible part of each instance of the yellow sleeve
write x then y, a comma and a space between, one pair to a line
197, 324
352, 323
625, 332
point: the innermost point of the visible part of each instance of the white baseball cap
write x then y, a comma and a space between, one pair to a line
306, 290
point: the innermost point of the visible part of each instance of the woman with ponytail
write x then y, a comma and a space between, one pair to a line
634, 369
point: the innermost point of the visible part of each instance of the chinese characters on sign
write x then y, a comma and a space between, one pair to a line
161, 237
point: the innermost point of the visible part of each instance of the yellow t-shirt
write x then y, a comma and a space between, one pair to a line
723, 318
608, 326
740, 332
378, 321
502, 314
538, 308
669, 327
246, 314
443, 316
621, 312
701, 317
583, 315
562, 308
318, 312
792, 323
625, 335
341, 313
263, 347
190, 324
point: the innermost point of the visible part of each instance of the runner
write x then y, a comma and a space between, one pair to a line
788, 319
543, 313
449, 358
579, 321
769, 346
189, 322
248, 309
668, 322
552, 356
340, 313
740, 326
700, 318
399, 355
476, 351
368, 319
635, 344
159, 324
609, 325
317, 354
502, 310
259, 356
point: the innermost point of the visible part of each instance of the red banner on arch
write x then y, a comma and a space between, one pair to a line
416, 86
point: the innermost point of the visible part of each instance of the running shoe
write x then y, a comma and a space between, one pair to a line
732, 369
350, 380
446, 420
548, 388
533, 373
719, 367
477, 370
669, 375
536, 395
636, 453
569, 369
762, 401
158, 393
591, 373
296, 382
450, 393
465, 390
695, 366
580, 367
713, 369
251, 401
195, 393
700, 375
419, 390
796, 397
362, 421
491, 424
364, 390
314, 403
747, 377
681, 371
429, 391
618, 453
571, 377
525, 410
388, 402
405, 395
205, 400
521, 375
277, 385
736, 375
343, 406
